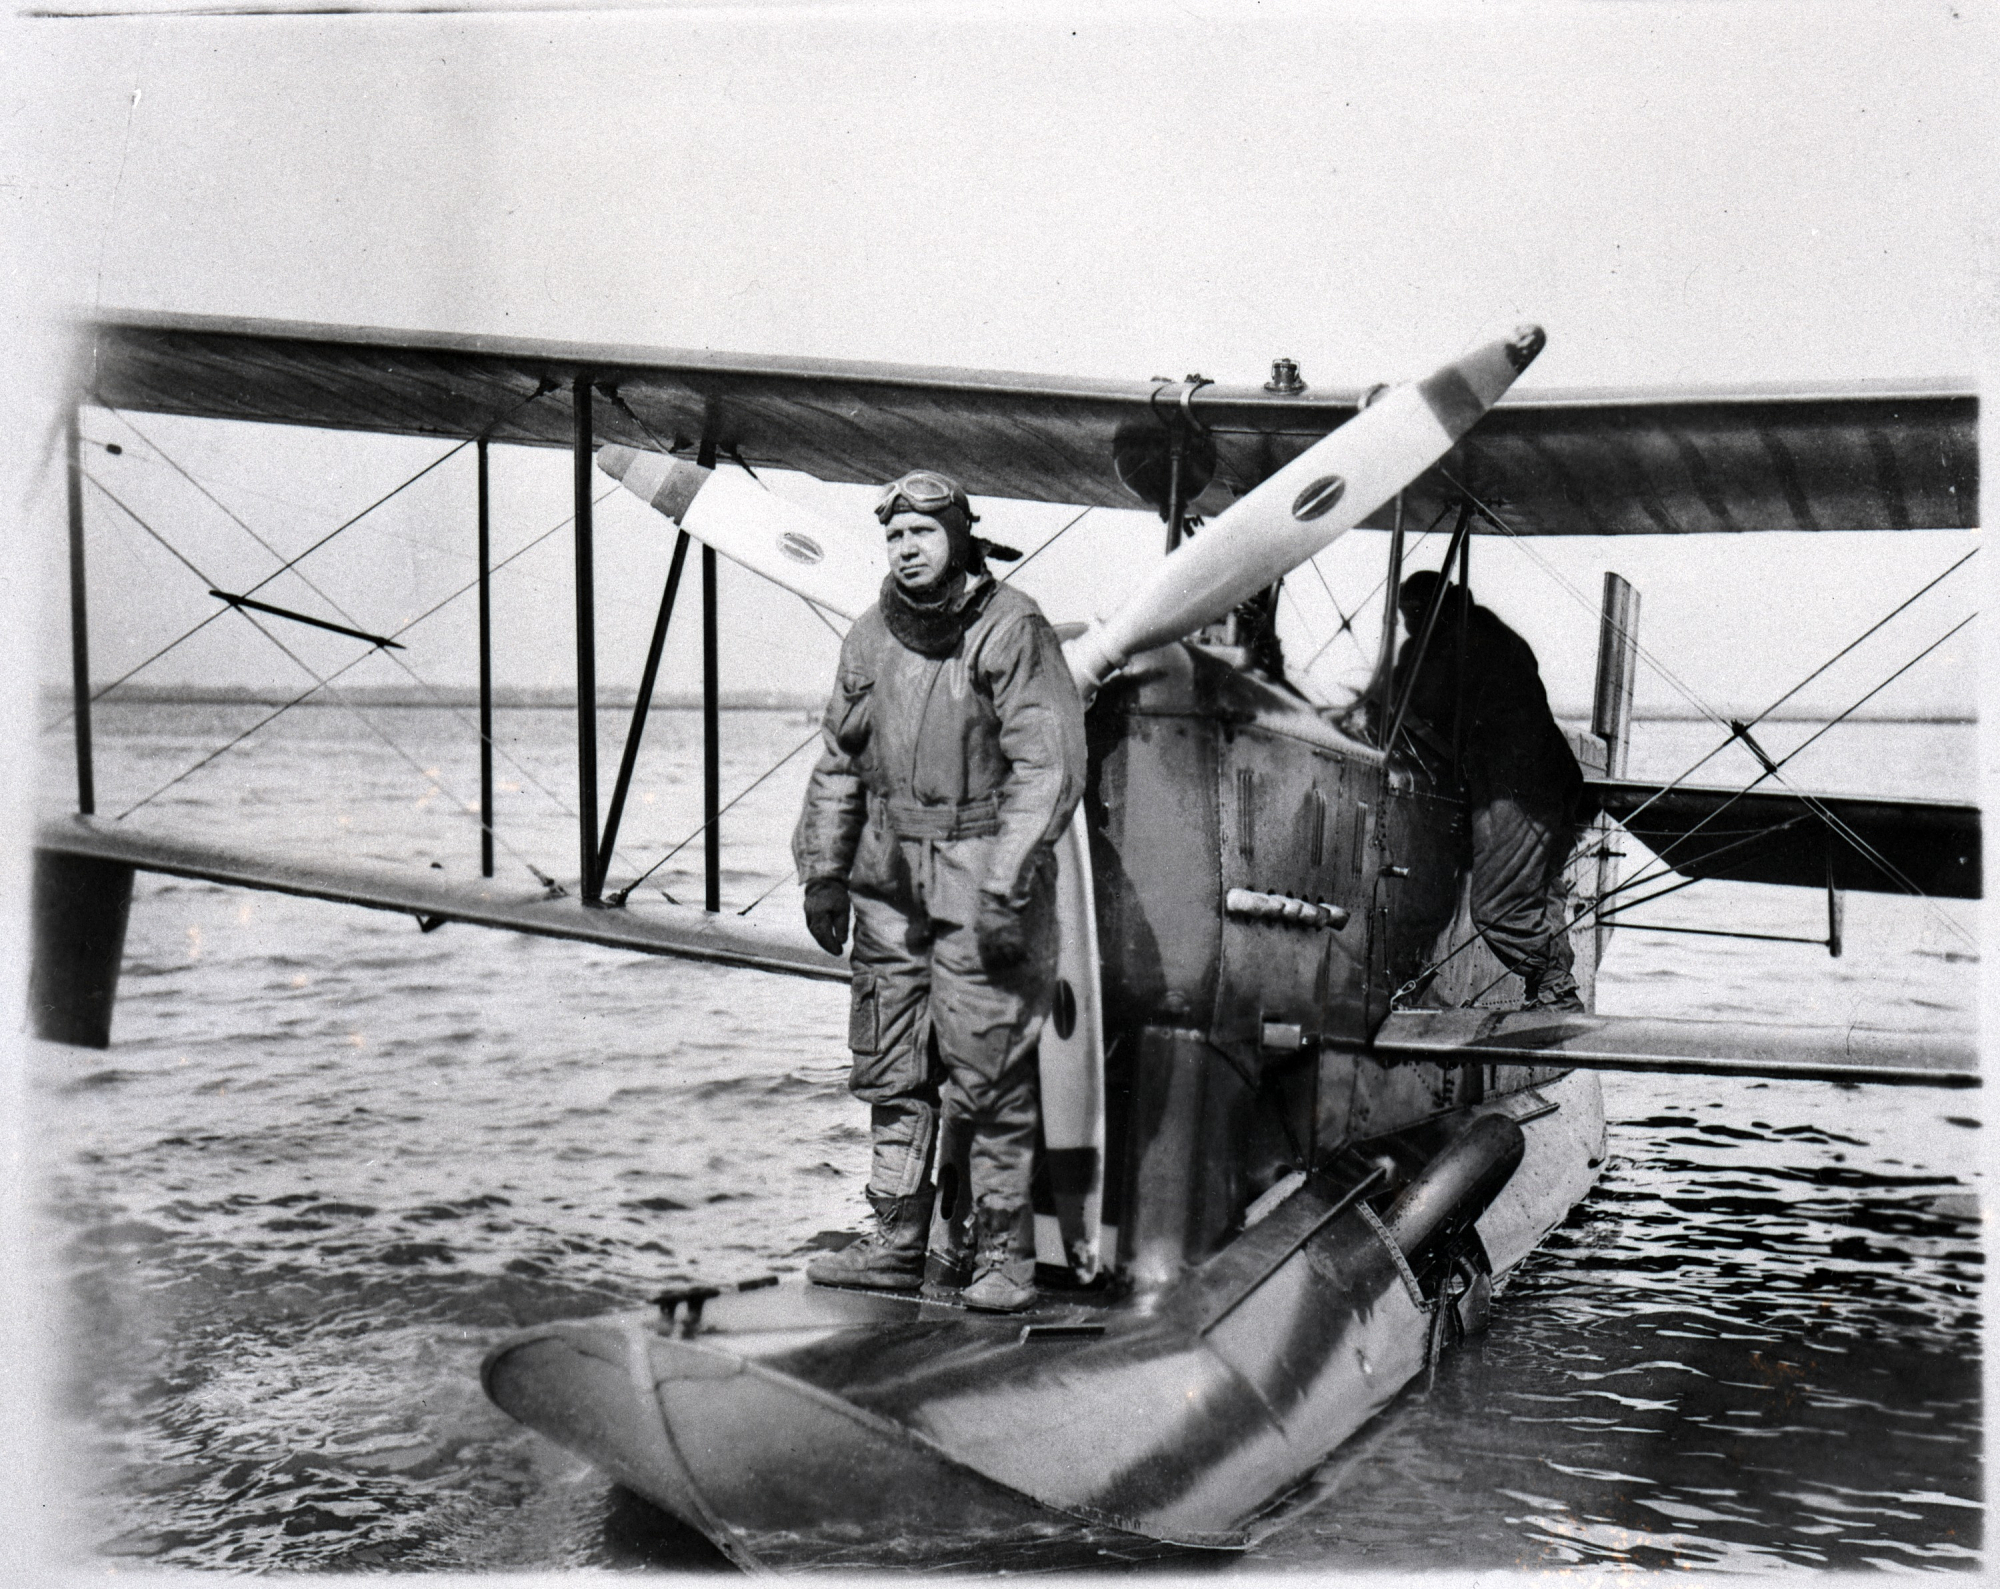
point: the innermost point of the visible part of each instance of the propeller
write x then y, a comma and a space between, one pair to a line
831, 565
1316, 498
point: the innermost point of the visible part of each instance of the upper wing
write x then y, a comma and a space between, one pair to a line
1586, 463
1881, 846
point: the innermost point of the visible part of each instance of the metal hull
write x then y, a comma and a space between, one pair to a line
799, 1421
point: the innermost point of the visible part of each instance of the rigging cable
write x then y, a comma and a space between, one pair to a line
99, 695
1833, 821
1794, 690
1687, 693
1812, 803
318, 683
421, 617
1051, 541
437, 700
625, 893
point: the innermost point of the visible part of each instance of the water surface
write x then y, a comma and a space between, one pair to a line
329, 1160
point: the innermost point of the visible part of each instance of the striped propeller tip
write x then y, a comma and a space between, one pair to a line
1525, 343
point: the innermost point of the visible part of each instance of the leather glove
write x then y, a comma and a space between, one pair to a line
826, 913
1002, 934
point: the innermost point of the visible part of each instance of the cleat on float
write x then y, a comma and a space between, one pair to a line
888, 1258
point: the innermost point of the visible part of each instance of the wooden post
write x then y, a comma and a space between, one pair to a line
586, 646
485, 671
79, 630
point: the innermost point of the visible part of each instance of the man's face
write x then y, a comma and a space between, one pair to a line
919, 552
1413, 616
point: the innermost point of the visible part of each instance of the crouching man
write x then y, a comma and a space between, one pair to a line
1522, 782
953, 759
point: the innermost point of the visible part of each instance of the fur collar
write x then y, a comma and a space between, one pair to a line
934, 629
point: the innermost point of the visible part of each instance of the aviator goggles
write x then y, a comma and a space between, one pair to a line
921, 491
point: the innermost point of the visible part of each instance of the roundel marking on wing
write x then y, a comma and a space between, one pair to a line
1319, 497
801, 548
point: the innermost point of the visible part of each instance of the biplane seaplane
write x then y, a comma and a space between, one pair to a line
1297, 1129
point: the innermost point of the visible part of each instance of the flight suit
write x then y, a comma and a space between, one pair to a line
1522, 784
942, 777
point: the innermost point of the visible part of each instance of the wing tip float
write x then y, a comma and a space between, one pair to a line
1303, 507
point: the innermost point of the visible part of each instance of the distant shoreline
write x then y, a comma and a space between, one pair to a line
401, 696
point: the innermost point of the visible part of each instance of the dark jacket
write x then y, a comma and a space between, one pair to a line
943, 777
1512, 744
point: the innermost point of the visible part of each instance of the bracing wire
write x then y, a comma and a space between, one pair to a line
1693, 699
320, 683
625, 893
1734, 733
1368, 600
1672, 679
421, 617
1051, 541
416, 678
294, 562
1833, 821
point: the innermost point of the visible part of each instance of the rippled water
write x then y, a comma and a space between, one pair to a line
329, 1160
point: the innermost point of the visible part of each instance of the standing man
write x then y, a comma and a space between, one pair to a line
1522, 782
954, 758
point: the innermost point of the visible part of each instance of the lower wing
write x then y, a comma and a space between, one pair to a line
677, 930
1656, 1043
1812, 841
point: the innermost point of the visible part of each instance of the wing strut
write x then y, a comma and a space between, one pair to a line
79, 630
485, 667
640, 708
711, 716
590, 882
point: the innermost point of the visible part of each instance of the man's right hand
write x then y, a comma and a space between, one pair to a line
826, 913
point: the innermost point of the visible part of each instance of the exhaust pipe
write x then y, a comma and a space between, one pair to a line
1455, 1188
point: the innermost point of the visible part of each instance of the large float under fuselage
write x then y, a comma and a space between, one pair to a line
1265, 884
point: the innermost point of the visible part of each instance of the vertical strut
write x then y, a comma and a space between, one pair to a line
1431, 610
1175, 507
640, 708
485, 670
1386, 666
1611, 719
586, 645
711, 721
1464, 642
79, 630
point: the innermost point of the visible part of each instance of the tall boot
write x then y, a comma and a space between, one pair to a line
949, 1264
888, 1258
1003, 1267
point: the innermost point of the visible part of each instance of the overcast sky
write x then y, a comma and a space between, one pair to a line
1682, 194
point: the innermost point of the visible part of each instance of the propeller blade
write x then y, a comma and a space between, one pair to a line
828, 564
1321, 494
